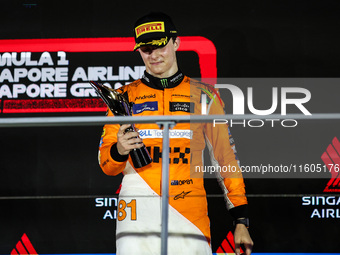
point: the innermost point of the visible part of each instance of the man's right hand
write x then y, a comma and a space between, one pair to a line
127, 141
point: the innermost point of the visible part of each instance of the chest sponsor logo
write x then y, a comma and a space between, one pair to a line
181, 182
173, 133
180, 95
145, 97
146, 106
182, 107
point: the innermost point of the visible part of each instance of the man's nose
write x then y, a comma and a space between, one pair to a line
154, 54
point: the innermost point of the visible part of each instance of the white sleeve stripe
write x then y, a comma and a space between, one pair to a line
220, 179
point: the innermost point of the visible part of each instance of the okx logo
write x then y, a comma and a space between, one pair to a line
332, 160
24, 246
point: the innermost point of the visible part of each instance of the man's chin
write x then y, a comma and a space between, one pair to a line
158, 73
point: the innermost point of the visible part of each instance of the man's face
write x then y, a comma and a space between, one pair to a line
160, 62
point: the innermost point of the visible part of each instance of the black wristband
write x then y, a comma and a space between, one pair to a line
239, 212
115, 154
244, 221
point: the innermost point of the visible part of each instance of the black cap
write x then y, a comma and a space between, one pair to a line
154, 29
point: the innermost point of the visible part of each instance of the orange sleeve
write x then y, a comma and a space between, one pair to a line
223, 154
108, 139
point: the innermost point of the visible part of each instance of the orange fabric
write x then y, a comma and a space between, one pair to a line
187, 193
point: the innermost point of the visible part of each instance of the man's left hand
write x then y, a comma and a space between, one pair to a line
241, 236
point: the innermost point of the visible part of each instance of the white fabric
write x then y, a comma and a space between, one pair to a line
142, 236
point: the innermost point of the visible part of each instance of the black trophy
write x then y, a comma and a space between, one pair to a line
120, 106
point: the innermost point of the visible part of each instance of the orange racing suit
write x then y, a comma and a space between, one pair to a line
138, 218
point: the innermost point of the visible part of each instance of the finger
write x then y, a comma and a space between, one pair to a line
134, 140
248, 247
130, 135
122, 128
138, 145
124, 146
237, 248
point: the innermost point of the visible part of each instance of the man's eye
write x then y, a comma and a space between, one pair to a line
147, 49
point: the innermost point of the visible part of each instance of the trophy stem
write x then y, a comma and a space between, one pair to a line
140, 157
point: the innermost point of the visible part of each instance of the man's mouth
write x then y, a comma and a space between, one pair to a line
156, 63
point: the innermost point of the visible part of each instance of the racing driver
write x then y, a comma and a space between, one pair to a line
165, 90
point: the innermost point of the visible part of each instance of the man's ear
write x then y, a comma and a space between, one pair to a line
177, 42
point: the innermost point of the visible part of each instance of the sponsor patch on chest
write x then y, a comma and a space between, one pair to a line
182, 107
173, 133
146, 106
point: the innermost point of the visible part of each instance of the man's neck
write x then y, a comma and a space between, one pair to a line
162, 83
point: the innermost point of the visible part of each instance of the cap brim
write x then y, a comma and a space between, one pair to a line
156, 42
